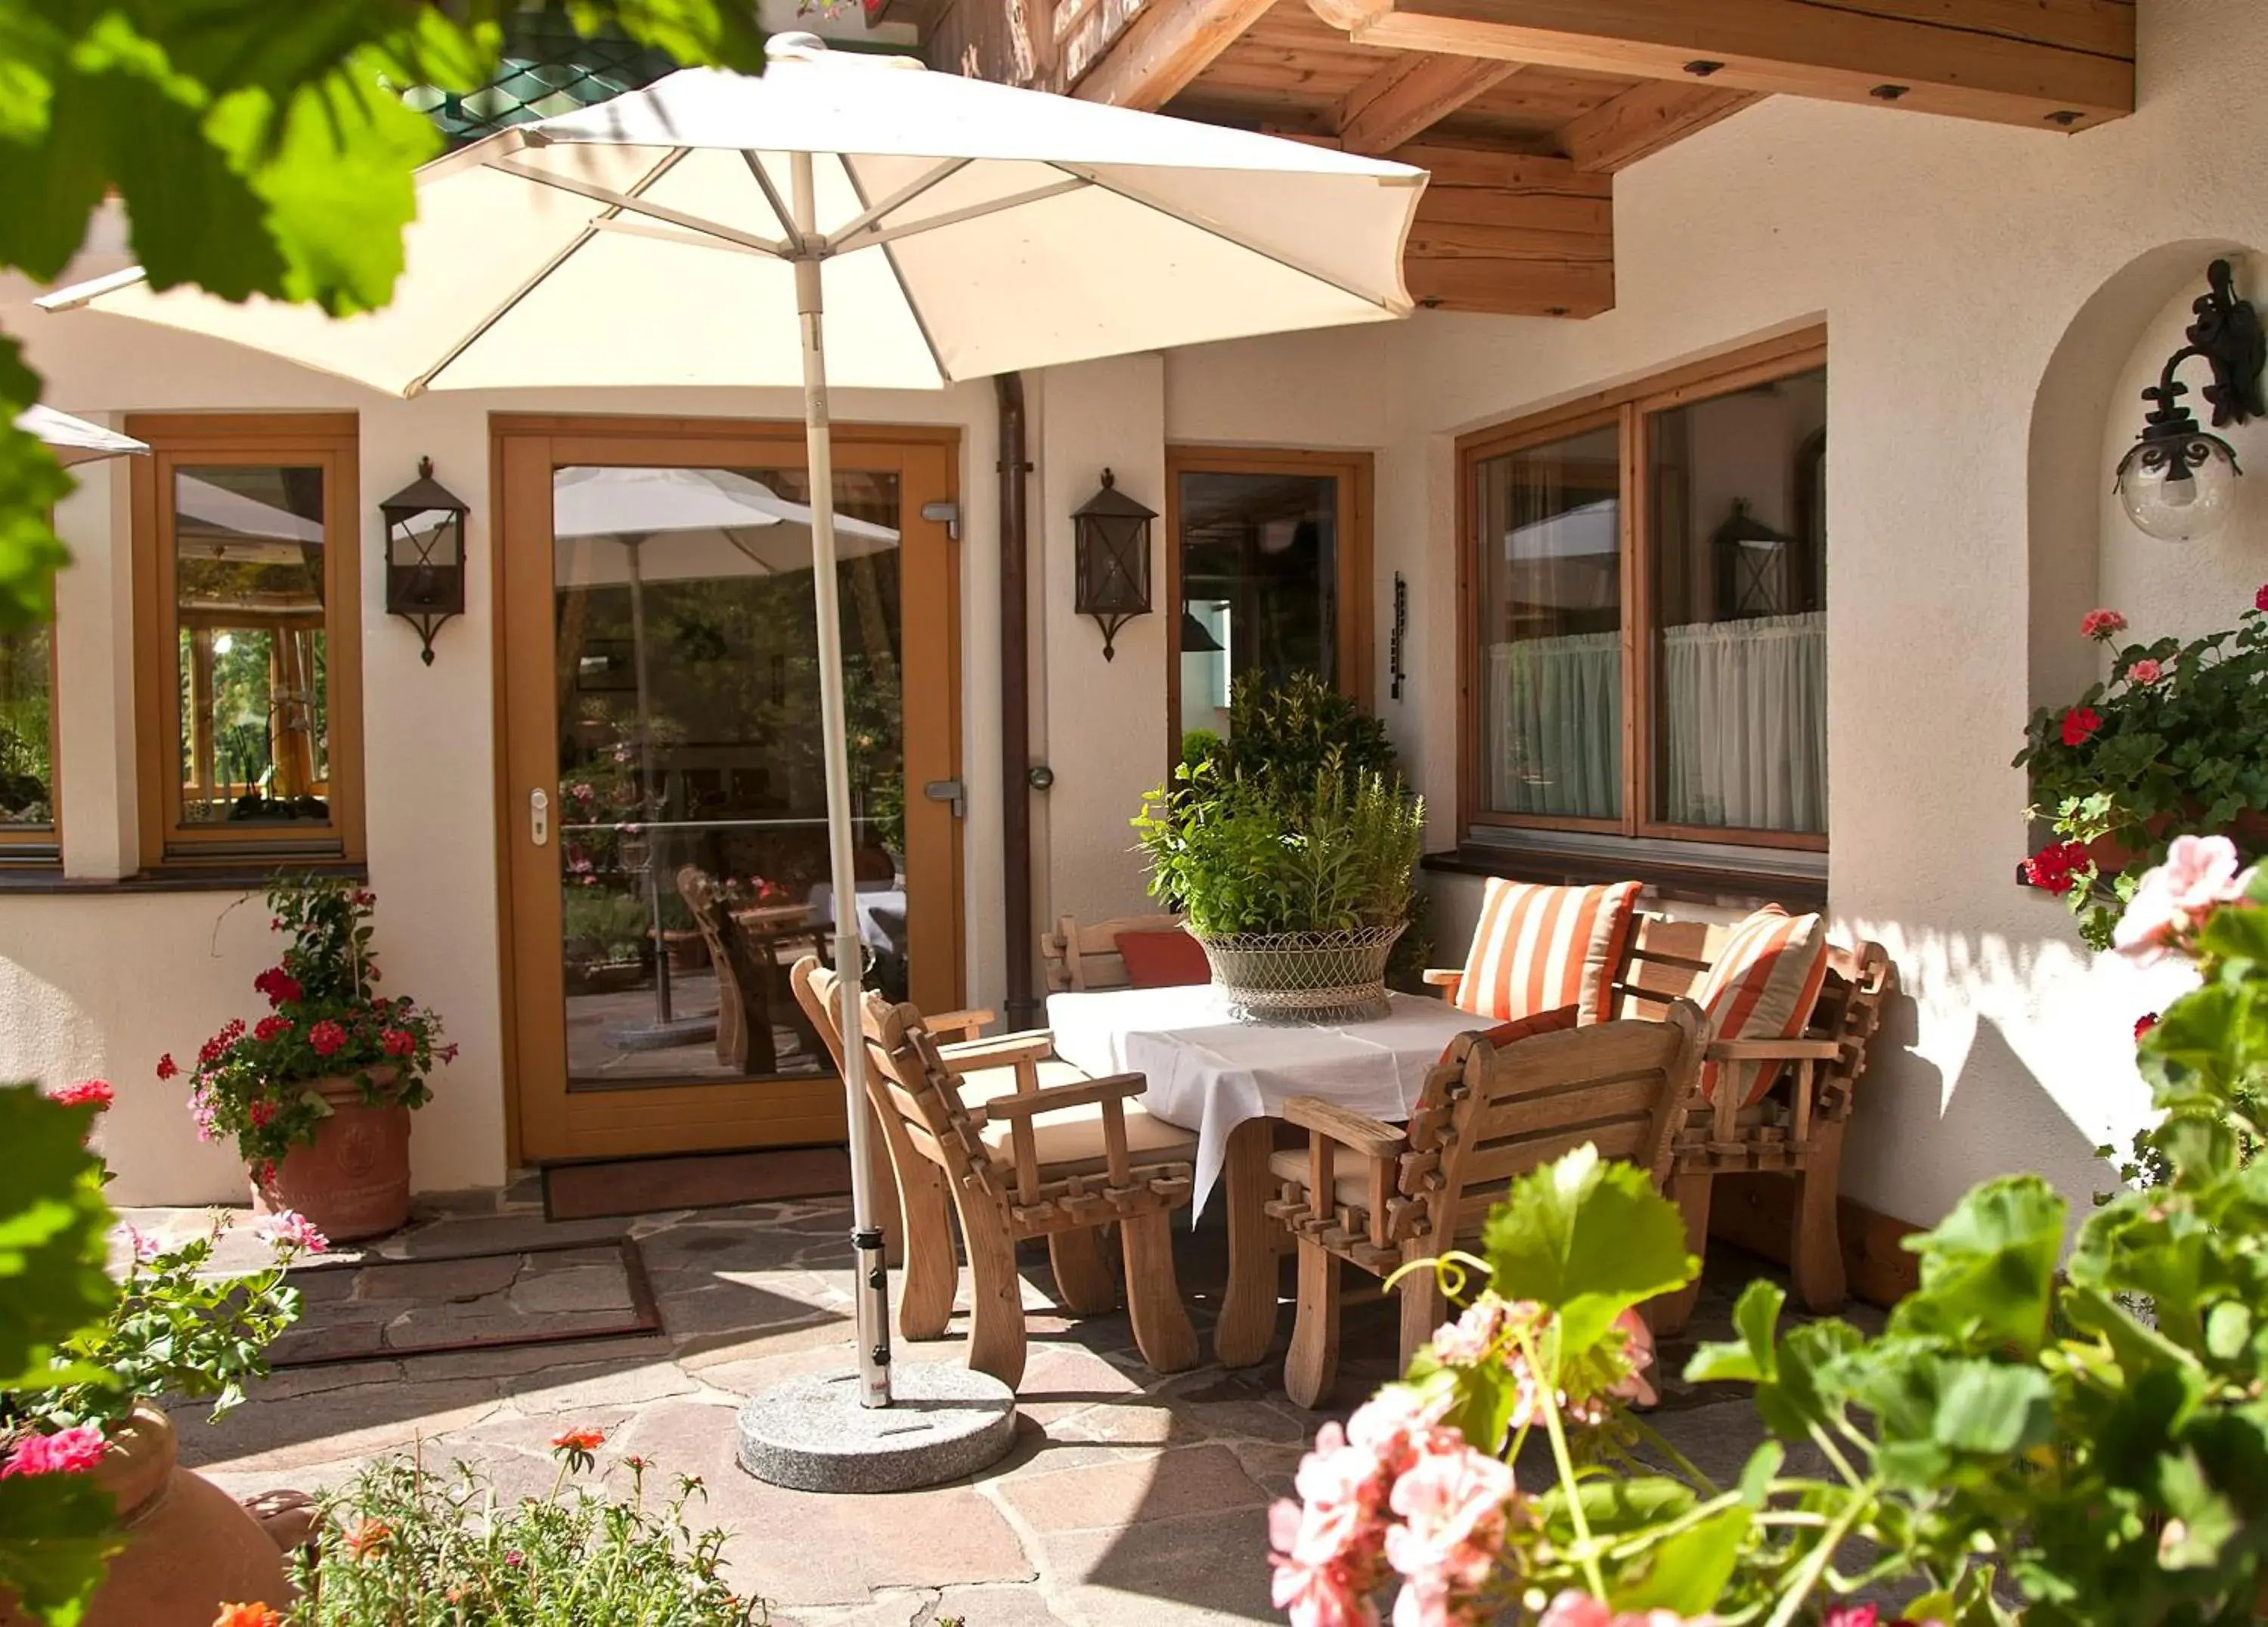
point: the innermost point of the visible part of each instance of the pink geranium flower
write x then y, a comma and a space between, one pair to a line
67, 1452
2260, 598
97, 1092
2146, 671
1452, 1501
2199, 876
2103, 625
289, 1229
1577, 1609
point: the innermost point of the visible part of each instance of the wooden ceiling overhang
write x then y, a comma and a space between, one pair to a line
1524, 109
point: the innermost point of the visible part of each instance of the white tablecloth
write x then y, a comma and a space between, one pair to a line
882, 913
1210, 1073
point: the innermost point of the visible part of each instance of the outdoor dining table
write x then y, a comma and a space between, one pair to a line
1227, 1081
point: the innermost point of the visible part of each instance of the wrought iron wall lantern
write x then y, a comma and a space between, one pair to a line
2176, 482
424, 554
1110, 542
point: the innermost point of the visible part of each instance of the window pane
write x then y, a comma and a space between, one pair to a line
27, 786
249, 621
1260, 571
1551, 633
1740, 546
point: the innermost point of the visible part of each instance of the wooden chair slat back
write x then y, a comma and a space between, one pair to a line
907, 1083
1622, 1086
1666, 960
1084, 958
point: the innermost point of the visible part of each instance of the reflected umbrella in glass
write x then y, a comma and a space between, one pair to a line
636, 526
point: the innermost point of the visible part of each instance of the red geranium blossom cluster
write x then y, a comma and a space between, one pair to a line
2079, 725
2058, 867
95, 1091
327, 1022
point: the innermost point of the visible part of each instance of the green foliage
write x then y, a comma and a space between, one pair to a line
412, 1548
56, 1531
328, 1021
1589, 1239
2182, 753
176, 1329
1237, 860
1299, 821
256, 149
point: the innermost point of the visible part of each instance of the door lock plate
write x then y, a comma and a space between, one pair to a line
949, 791
539, 817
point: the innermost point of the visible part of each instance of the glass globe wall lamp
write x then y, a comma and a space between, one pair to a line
1110, 544
2178, 481
424, 554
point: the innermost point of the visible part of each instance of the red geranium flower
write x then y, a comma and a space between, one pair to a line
2142, 1024
167, 1068
96, 1091
398, 1043
2101, 624
278, 985
2260, 598
2056, 866
252, 1614
271, 1028
2079, 723
263, 1114
326, 1037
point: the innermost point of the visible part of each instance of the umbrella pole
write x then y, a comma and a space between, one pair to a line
870, 1296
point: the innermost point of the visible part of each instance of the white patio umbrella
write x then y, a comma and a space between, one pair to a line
692, 233
75, 441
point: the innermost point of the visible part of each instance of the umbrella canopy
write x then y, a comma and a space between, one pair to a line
841, 221
75, 441
965, 229
690, 523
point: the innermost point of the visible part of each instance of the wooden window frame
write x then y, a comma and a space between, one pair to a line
328, 441
1629, 409
1355, 471
41, 846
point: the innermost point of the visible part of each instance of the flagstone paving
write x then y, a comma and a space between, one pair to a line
1128, 1496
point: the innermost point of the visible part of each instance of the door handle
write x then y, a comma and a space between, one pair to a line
539, 817
949, 791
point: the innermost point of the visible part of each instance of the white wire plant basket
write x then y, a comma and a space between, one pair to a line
1303, 977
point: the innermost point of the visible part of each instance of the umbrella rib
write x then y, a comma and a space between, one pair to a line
897, 200
952, 217
635, 205
1225, 236
905, 289
780, 210
417, 386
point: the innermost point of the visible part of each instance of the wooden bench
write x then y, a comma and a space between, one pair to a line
1797, 1130
1084, 958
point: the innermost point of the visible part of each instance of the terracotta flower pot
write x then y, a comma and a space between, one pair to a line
353, 1182
2248, 830
190, 1548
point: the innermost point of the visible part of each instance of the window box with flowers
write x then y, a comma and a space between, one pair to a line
317, 1094
2174, 743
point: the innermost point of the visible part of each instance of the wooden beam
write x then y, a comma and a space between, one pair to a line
2053, 65
1644, 120
1165, 44
1412, 94
1509, 234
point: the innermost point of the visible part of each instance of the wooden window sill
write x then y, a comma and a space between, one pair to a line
175, 878
1668, 875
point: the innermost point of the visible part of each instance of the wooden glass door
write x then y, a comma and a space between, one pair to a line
664, 797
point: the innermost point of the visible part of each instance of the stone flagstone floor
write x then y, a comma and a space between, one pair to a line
1129, 1497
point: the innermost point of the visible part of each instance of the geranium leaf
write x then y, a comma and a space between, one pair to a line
1687, 1573
54, 1227
1589, 1239
1989, 1268
56, 1536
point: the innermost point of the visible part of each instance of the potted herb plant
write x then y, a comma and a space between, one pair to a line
88, 1417
317, 1094
2174, 742
1291, 850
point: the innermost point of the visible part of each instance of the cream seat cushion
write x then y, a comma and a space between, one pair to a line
1071, 1135
1350, 1173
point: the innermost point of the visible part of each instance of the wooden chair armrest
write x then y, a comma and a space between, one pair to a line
966, 1024
1050, 1098
1364, 1134
1773, 1050
1448, 980
1001, 1051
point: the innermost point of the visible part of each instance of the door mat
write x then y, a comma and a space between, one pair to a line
374, 1308
641, 1186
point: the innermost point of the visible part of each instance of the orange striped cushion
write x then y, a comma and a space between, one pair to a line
1762, 987
1538, 948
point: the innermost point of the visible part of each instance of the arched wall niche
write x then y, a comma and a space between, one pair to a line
2083, 415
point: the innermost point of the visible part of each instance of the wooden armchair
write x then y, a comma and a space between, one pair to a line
1022, 1146
1375, 1195
1796, 1132
1084, 958
746, 982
